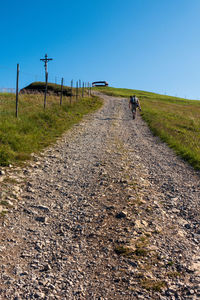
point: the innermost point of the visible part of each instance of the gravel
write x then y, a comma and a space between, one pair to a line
109, 212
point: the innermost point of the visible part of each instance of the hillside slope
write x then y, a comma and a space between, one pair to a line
175, 120
108, 213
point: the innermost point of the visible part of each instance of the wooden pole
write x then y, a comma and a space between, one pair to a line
45, 94
17, 87
79, 87
76, 90
71, 92
83, 90
61, 92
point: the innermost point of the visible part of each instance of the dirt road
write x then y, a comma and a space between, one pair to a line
109, 212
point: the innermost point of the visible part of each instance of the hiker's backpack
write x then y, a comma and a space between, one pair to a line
134, 101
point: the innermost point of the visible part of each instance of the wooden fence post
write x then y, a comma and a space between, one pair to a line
83, 90
46, 86
79, 87
71, 92
17, 87
61, 91
77, 91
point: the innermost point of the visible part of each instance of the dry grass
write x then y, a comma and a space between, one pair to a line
36, 128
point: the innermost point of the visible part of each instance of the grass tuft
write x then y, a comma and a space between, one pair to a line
153, 285
124, 251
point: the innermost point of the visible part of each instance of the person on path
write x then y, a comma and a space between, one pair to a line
133, 104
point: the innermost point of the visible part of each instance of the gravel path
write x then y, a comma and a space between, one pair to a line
109, 212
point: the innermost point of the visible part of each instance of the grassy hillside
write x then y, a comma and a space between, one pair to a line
36, 128
176, 121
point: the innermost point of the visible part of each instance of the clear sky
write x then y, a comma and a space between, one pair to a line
151, 45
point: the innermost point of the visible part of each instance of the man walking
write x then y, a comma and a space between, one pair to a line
133, 104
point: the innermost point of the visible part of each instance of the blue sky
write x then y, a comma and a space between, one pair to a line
151, 45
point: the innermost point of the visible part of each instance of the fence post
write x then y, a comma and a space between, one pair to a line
45, 94
83, 90
71, 92
79, 87
76, 90
61, 91
17, 86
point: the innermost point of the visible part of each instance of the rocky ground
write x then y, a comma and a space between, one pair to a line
109, 212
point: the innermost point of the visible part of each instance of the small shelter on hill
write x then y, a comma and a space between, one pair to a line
100, 83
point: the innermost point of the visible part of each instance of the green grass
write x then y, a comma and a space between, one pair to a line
124, 251
36, 128
5, 203
154, 285
175, 120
